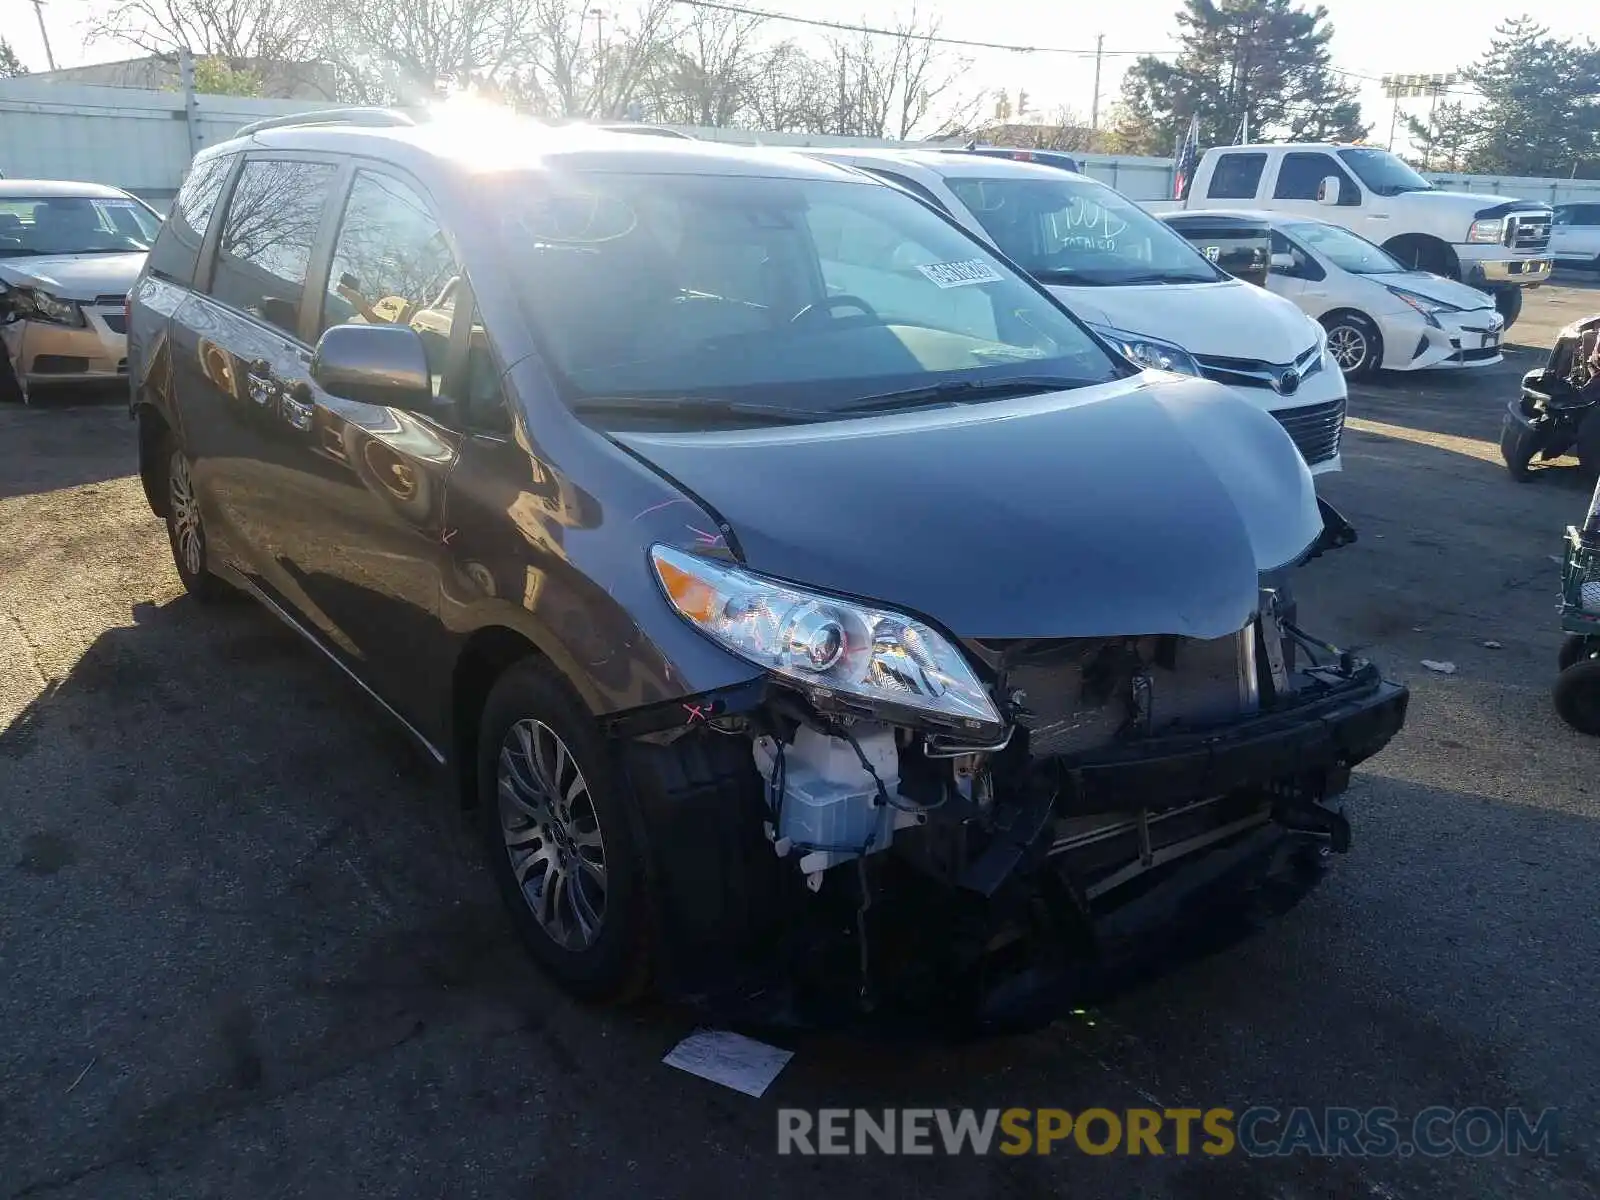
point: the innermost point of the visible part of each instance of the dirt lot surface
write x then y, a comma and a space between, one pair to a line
246, 949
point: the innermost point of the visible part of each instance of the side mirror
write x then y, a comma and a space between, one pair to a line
1328, 191
1283, 261
385, 365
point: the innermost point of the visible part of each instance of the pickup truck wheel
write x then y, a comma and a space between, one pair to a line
1508, 302
1354, 342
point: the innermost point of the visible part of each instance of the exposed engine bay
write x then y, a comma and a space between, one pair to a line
915, 865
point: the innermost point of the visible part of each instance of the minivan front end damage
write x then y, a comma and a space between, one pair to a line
992, 855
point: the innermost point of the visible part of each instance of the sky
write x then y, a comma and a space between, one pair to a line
1371, 37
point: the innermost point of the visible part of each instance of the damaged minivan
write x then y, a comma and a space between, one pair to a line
818, 617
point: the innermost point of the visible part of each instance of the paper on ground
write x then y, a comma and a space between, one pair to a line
734, 1061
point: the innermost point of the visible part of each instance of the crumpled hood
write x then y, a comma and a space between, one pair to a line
74, 276
1144, 506
1437, 287
1229, 318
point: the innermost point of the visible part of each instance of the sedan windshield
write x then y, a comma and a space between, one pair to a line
1383, 172
1076, 231
75, 225
1344, 249
703, 298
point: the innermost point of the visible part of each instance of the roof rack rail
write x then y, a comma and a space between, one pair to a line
372, 117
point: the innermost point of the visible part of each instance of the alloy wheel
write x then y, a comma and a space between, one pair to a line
552, 835
1348, 345
185, 514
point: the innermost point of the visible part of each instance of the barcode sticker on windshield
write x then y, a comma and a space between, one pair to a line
960, 274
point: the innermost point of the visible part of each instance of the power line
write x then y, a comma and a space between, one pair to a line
910, 35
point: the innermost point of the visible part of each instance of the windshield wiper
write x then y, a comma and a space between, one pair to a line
961, 391
1162, 277
669, 407
1063, 275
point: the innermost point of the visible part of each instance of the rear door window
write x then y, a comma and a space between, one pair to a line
1302, 173
265, 247
1236, 177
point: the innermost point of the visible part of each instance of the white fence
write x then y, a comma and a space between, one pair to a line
143, 141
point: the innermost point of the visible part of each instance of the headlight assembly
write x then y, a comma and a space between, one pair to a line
54, 309
863, 655
1491, 230
1148, 352
1427, 307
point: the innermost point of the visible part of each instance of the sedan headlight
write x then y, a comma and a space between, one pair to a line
1426, 306
1148, 352
54, 309
1491, 230
825, 645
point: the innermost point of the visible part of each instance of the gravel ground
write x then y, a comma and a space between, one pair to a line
247, 949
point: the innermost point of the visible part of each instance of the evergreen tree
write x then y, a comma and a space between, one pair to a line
1266, 60
1541, 108
1450, 139
10, 65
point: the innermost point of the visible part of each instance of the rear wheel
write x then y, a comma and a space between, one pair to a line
1577, 696
1354, 342
186, 530
560, 837
1587, 444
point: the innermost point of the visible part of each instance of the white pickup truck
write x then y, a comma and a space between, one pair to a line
1498, 245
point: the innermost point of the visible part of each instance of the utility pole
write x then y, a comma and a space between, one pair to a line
49, 55
1094, 107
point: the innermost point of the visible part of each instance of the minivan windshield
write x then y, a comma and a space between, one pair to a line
1344, 249
1383, 172
1076, 231
772, 298
31, 225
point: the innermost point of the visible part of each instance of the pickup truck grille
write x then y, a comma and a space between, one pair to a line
1316, 429
1528, 231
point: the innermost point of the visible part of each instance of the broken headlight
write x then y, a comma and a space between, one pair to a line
49, 308
821, 642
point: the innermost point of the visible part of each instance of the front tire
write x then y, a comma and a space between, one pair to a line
1354, 343
186, 531
1508, 303
560, 837
1577, 696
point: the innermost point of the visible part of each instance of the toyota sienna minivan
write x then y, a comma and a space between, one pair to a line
811, 610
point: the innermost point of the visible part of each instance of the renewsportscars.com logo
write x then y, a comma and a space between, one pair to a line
1258, 1132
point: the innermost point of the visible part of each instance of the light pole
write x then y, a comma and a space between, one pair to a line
1396, 86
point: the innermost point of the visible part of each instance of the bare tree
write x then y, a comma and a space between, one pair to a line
889, 84
406, 50
707, 69
587, 62
792, 92
227, 29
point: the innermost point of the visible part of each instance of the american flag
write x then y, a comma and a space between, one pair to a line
1188, 157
